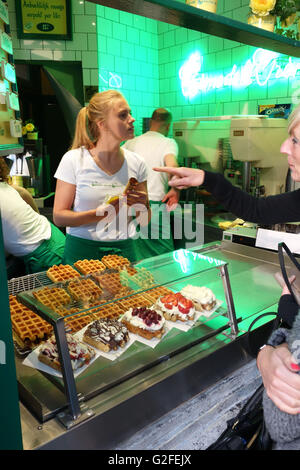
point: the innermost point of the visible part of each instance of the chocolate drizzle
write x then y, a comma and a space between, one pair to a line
109, 332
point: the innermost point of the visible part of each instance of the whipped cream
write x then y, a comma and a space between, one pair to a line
203, 295
135, 320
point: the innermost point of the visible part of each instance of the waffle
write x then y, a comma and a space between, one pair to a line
61, 272
112, 283
52, 296
106, 335
28, 327
110, 311
86, 266
115, 261
144, 278
154, 294
77, 321
137, 300
84, 289
141, 277
144, 321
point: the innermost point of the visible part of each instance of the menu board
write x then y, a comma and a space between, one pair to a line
10, 122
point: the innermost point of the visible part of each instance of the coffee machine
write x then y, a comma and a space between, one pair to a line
252, 140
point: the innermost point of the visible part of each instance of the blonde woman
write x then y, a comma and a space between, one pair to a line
93, 171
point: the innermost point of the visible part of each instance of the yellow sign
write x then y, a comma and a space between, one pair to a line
40, 18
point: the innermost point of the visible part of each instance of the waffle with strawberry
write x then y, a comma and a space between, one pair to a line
176, 307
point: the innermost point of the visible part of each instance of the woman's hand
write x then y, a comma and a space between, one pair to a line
183, 177
171, 199
285, 289
277, 367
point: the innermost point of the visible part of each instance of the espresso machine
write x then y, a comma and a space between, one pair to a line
253, 141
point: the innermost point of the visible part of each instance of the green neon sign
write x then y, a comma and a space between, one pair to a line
259, 69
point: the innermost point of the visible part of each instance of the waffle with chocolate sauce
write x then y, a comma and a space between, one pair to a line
106, 335
61, 272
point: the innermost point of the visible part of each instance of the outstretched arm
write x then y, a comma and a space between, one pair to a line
182, 177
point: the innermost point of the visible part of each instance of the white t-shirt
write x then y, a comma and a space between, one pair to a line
23, 228
93, 186
153, 147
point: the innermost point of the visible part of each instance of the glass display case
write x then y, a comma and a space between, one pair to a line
144, 284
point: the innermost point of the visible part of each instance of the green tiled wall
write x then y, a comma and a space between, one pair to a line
128, 55
143, 57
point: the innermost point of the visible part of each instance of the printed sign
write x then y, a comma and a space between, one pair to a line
37, 19
4, 12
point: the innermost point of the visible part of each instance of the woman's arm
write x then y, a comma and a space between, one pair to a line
264, 210
26, 196
63, 215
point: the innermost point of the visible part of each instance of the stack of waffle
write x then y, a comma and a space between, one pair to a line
29, 329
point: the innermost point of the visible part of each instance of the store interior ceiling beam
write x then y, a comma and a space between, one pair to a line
180, 14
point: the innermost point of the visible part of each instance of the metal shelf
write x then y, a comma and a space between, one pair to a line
180, 14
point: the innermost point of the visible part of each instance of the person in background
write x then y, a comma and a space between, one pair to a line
27, 234
276, 364
95, 170
158, 150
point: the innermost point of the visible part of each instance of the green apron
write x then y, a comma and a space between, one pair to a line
80, 248
156, 238
50, 252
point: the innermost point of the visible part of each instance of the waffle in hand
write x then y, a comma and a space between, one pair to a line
61, 272
52, 296
115, 261
84, 289
88, 266
29, 328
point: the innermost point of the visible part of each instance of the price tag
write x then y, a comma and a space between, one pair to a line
8, 72
4, 12
12, 101
6, 42
15, 128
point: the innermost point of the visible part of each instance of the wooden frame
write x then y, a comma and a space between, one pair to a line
50, 20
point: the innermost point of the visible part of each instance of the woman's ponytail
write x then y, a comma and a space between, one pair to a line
81, 136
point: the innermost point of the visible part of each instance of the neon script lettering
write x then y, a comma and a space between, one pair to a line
259, 69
